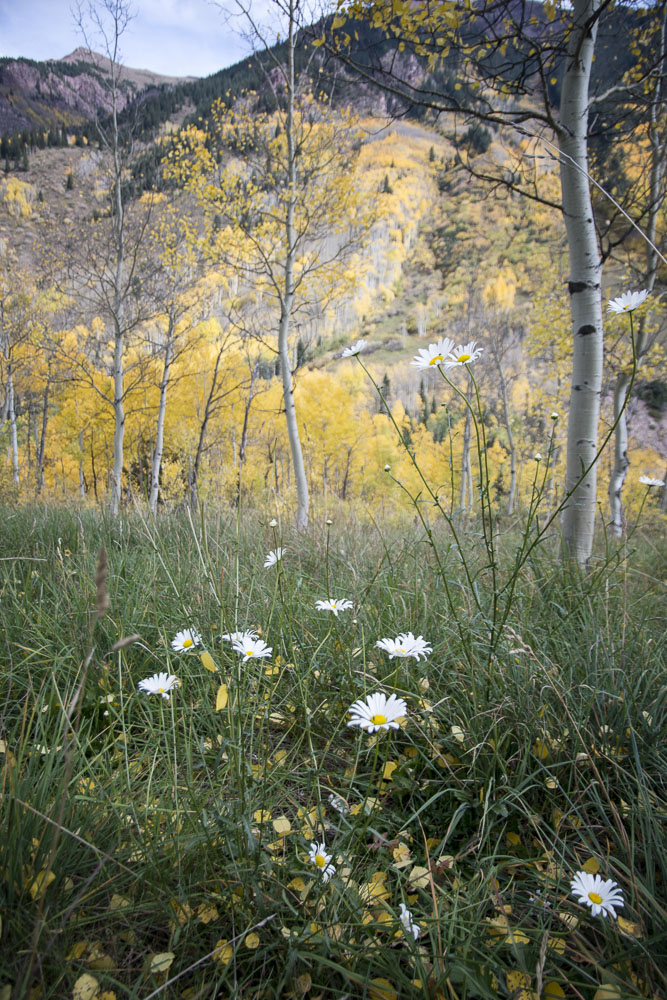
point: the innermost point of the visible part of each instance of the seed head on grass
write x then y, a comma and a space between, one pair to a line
601, 895
185, 640
252, 649
321, 860
378, 712
334, 606
159, 684
405, 644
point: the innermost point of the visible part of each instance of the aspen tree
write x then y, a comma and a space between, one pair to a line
506, 57
112, 279
285, 190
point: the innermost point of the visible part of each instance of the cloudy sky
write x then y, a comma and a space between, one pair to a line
174, 37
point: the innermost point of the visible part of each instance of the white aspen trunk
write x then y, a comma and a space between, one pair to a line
162, 409
82, 481
42, 438
656, 198
119, 333
11, 416
119, 422
578, 523
288, 296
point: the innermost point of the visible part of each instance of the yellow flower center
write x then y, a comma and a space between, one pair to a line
462, 358
161, 690
188, 642
594, 897
320, 861
379, 720
249, 652
436, 360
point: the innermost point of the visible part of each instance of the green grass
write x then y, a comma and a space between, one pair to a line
155, 819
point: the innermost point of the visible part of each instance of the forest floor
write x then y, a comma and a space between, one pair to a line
242, 834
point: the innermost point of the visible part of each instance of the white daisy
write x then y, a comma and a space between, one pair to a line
185, 640
651, 481
252, 648
601, 895
159, 684
434, 354
538, 456
334, 606
409, 926
405, 644
240, 636
464, 354
273, 558
339, 804
354, 349
377, 712
627, 302
321, 859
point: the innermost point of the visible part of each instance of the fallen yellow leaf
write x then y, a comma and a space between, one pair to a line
85, 988
592, 866
207, 913
208, 661
629, 928
282, 826
221, 698
419, 878
252, 941
41, 882
223, 952
381, 989
607, 992
161, 961
553, 991
517, 981
118, 902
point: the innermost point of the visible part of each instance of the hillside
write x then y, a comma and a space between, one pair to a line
446, 254
67, 92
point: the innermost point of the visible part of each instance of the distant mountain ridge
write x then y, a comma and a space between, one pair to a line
69, 91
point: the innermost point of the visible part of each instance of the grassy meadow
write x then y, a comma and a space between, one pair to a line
162, 846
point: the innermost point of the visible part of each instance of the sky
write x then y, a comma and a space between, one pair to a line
173, 37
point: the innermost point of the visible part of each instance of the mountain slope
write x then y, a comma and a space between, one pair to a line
70, 91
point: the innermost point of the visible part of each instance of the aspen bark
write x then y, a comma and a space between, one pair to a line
42, 437
287, 297
11, 416
119, 333
162, 409
578, 522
